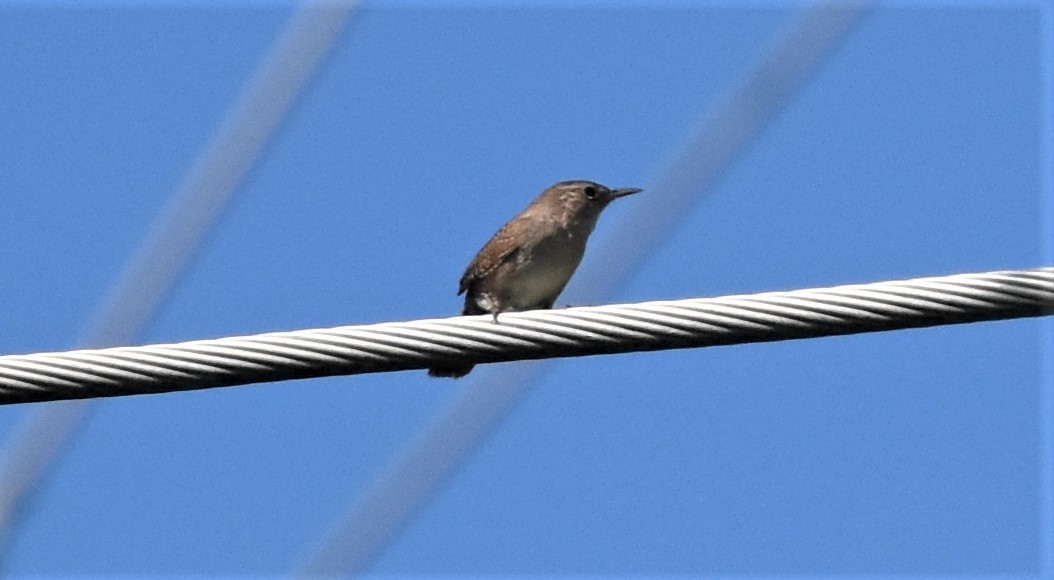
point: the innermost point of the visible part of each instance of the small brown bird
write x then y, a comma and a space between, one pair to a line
528, 262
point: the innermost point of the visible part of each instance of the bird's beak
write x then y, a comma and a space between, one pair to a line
622, 192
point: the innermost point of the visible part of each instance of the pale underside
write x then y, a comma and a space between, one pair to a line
527, 277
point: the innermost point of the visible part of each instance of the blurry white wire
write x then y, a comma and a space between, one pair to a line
263, 103
409, 479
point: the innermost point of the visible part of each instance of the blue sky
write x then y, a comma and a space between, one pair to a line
922, 145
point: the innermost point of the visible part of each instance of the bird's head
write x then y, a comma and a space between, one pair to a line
582, 200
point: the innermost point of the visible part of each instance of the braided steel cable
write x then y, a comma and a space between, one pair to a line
394, 346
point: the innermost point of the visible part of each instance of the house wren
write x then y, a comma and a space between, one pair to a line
528, 262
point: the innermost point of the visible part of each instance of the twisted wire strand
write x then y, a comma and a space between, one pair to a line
645, 326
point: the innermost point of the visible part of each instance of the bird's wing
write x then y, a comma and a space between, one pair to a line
500, 249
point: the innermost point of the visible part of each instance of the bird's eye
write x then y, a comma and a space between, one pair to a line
591, 192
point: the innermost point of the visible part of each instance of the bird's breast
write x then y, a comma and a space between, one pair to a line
543, 271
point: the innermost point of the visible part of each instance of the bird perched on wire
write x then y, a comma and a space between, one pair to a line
529, 261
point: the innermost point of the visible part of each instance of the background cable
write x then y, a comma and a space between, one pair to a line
373, 519
39, 439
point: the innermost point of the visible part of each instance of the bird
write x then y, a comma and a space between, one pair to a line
529, 261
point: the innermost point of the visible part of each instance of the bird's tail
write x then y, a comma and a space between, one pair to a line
458, 371
451, 372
